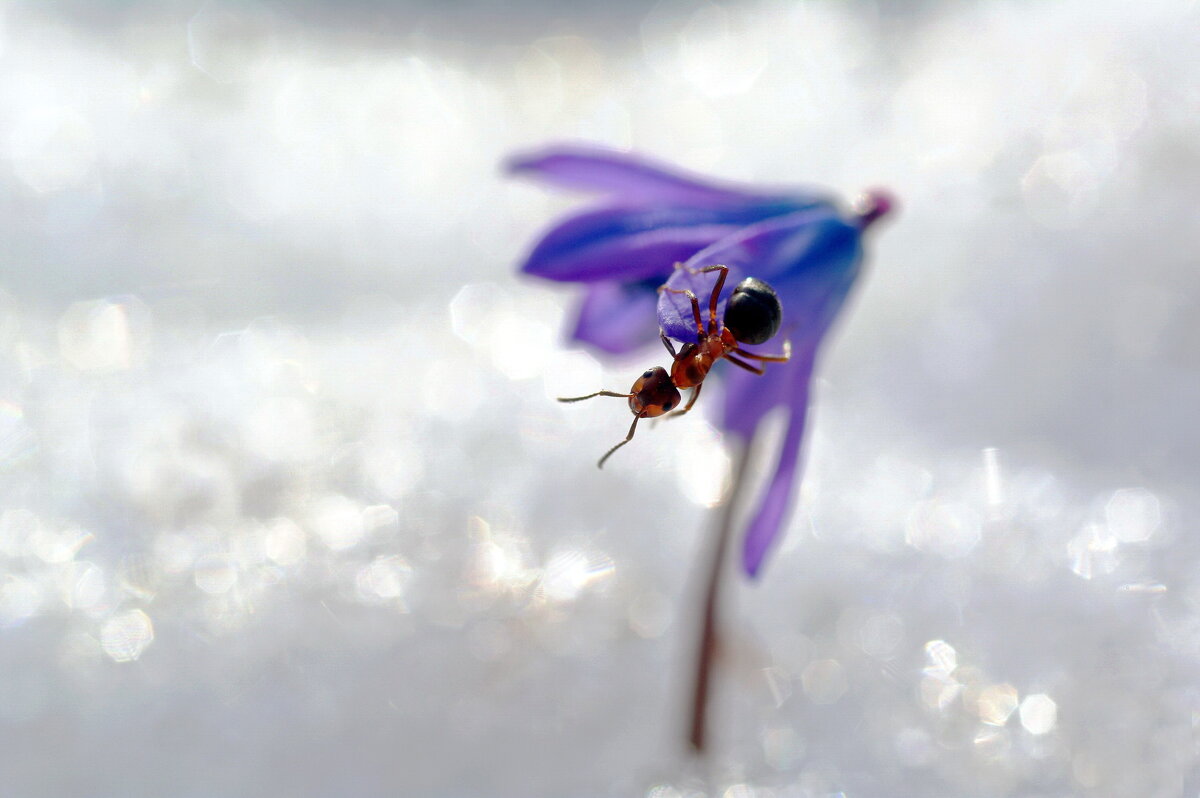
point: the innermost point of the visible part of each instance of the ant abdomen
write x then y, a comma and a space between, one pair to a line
753, 313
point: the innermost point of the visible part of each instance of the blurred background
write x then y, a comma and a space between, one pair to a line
286, 507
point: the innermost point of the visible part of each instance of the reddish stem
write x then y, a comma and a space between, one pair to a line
706, 656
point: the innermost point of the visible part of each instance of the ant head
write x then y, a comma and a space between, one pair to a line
753, 313
653, 393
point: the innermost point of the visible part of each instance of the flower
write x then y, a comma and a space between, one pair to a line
654, 217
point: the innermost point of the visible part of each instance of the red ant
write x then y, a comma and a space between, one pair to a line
752, 316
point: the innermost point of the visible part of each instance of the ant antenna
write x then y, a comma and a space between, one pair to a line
592, 395
628, 438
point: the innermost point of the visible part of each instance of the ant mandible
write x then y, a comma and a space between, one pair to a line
752, 316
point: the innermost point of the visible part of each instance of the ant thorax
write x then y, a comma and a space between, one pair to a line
694, 361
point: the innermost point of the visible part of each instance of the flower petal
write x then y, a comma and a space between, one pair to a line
632, 242
772, 511
749, 397
592, 168
617, 317
810, 258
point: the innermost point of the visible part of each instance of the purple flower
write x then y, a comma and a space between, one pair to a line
653, 217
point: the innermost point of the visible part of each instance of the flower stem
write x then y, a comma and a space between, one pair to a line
706, 655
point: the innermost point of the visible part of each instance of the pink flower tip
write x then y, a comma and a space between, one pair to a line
873, 205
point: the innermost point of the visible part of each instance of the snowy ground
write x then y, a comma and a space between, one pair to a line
286, 508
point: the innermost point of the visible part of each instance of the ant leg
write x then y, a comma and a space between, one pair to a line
759, 370
667, 343
785, 357
691, 401
716, 292
628, 438
591, 395
680, 266
695, 308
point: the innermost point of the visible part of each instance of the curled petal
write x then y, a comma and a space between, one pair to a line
632, 242
617, 317
810, 258
592, 168
772, 511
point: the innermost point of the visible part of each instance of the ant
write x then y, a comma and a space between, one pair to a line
752, 316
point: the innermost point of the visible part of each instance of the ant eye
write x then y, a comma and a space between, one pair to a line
667, 406
649, 373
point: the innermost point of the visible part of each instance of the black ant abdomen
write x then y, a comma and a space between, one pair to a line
753, 313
